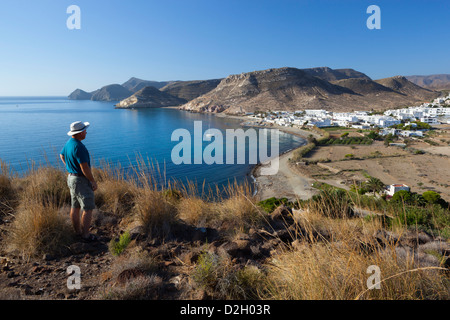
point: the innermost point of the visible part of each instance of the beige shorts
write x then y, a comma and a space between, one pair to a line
81, 193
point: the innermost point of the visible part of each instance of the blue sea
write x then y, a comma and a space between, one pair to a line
34, 130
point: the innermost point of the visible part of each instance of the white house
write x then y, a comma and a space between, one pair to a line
429, 120
393, 188
387, 131
316, 113
320, 123
408, 133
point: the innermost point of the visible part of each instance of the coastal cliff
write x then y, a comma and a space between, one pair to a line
150, 97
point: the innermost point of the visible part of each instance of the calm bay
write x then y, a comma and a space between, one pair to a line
34, 129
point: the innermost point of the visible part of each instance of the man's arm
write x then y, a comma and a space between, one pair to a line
88, 174
63, 159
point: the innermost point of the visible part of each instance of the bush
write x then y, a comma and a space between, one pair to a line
332, 203
239, 209
38, 229
206, 270
117, 247
402, 196
46, 185
272, 203
5, 188
373, 135
303, 151
196, 211
431, 197
116, 196
223, 280
154, 212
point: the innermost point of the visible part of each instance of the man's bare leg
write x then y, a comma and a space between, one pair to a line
75, 217
86, 219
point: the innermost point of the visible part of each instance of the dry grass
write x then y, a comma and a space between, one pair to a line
197, 211
155, 213
222, 279
39, 228
115, 196
45, 185
144, 286
337, 268
239, 209
328, 258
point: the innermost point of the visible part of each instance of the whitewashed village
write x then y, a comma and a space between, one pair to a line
411, 122
434, 113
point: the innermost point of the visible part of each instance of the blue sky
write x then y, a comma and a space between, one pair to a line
198, 39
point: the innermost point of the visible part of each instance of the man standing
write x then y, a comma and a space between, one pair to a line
80, 180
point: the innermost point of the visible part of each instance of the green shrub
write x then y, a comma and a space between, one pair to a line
431, 196
206, 271
402, 196
333, 203
117, 247
272, 203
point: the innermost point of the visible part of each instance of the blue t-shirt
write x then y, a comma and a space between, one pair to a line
74, 153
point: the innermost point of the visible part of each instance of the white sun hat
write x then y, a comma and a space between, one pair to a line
77, 127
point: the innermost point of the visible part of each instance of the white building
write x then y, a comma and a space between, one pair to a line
429, 120
393, 188
320, 123
385, 122
320, 113
408, 133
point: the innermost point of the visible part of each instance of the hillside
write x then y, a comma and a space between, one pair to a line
112, 92
190, 90
403, 85
274, 89
293, 89
282, 89
116, 91
171, 244
150, 97
135, 84
433, 82
362, 86
328, 74
79, 94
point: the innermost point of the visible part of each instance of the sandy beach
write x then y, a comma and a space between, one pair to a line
287, 182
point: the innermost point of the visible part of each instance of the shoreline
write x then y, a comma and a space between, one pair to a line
285, 183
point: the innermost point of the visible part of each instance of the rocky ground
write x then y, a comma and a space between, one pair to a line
46, 277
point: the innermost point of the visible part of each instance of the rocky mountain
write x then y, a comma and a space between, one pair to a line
328, 74
112, 92
79, 94
274, 89
403, 85
116, 92
190, 90
362, 86
150, 97
433, 82
135, 84
294, 89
